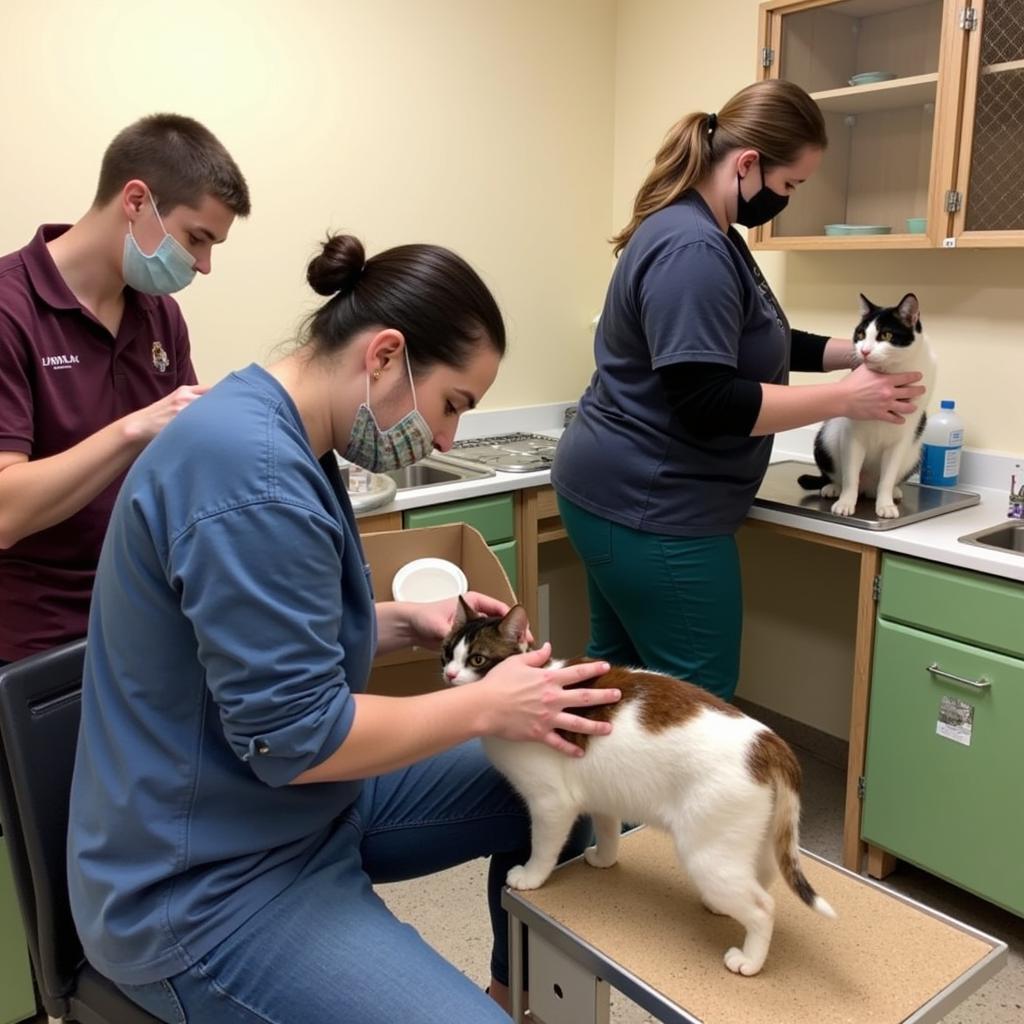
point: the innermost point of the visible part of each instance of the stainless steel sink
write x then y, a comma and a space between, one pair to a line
435, 470
1005, 537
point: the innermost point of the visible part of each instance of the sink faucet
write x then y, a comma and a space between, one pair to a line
1016, 509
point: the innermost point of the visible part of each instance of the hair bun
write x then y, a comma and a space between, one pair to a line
338, 266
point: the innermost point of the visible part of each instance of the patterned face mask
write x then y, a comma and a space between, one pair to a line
408, 441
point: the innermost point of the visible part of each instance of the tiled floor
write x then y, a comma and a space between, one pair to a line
449, 910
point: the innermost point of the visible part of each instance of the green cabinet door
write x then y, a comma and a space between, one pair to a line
17, 999
945, 761
493, 516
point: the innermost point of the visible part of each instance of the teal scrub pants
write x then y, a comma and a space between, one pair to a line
669, 604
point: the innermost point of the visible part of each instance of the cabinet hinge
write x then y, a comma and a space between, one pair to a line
861, 786
968, 18
767, 57
876, 588
954, 200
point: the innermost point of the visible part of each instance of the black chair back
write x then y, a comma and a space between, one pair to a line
40, 707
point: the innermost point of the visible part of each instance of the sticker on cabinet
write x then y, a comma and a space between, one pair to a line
956, 720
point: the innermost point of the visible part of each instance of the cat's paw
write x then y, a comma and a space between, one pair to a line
594, 858
884, 511
830, 491
845, 506
521, 877
739, 963
897, 494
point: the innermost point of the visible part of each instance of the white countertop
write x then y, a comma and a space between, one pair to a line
935, 539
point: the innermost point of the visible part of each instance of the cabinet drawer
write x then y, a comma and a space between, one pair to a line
951, 808
967, 606
507, 553
493, 517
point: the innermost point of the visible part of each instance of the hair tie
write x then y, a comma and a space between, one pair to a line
712, 123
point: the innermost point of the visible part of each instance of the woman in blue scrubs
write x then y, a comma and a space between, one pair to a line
237, 793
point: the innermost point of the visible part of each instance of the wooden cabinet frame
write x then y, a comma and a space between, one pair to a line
956, 85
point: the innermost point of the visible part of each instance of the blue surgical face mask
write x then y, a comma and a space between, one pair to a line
168, 269
408, 441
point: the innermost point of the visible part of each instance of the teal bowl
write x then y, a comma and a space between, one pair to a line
917, 225
858, 229
870, 77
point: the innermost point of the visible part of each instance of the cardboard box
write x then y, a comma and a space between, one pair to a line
412, 671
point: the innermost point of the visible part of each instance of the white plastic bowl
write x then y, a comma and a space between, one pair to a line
428, 579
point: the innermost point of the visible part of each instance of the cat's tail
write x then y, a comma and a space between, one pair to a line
810, 482
785, 771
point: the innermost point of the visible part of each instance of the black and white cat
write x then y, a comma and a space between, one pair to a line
724, 786
867, 456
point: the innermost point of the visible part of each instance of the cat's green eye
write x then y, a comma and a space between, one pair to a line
859, 336
477, 661
885, 336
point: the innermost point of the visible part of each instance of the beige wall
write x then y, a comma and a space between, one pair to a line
515, 132
485, 126
673, 57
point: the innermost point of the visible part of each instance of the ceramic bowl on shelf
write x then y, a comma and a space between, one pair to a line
917, 225
858, 229
870, 77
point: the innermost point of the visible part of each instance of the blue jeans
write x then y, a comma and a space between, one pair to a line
327, 948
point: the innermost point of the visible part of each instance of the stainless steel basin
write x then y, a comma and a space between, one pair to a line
435, 470
1005, 537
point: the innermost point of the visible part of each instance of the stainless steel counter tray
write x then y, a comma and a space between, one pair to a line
779, 490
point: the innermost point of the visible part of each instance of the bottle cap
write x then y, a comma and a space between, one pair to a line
947, 403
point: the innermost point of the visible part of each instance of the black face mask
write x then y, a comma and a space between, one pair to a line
765, 204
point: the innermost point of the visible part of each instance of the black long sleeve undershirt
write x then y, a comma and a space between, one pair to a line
710, 399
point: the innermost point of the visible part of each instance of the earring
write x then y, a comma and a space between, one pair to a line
376, 375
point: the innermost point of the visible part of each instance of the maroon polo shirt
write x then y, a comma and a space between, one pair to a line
63, 376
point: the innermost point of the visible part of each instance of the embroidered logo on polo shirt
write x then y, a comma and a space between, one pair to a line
160, 359
62, 362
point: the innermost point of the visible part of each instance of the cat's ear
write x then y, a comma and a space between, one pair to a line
867, 307
908, 310
463, 613
514, 626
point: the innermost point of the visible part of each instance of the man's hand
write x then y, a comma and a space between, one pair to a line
144, 424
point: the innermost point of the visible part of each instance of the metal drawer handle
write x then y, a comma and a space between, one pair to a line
979, 684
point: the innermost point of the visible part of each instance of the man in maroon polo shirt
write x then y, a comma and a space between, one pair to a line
94, 361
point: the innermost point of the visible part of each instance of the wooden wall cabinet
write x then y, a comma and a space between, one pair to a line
942, 140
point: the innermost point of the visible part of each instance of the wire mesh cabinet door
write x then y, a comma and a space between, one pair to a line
990, 194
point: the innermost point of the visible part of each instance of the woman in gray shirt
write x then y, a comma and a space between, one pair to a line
693, 351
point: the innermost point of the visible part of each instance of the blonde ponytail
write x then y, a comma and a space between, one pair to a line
775, 117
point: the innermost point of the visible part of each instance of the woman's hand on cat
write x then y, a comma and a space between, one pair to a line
430, 622
528, 701
888, 397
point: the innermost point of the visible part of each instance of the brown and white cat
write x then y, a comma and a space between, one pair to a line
724, 786
868, 456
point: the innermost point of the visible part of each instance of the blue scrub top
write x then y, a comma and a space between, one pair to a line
231, 622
